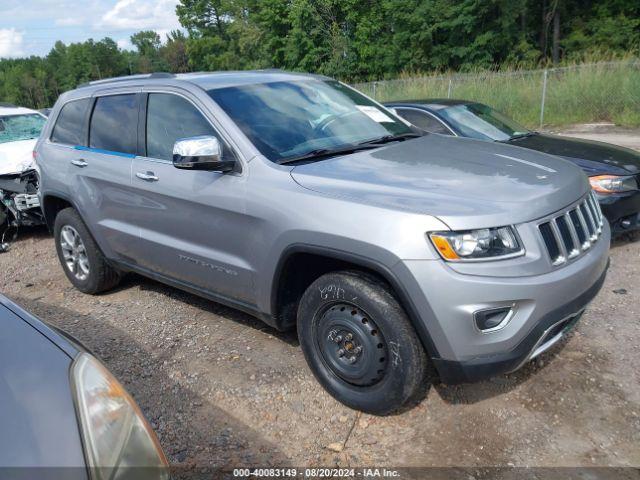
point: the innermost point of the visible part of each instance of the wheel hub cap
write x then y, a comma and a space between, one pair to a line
351, 344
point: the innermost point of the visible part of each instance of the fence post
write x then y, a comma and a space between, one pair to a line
449, 90
375, 88
544, 96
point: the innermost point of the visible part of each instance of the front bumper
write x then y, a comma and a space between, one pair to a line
622, 210
549, 330
544, 306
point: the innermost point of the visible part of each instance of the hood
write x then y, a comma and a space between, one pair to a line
465, 183
595, 158
16, 157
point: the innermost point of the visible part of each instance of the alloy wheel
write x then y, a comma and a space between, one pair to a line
74, 252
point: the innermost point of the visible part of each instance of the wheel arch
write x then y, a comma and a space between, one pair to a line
54, 203
284, 300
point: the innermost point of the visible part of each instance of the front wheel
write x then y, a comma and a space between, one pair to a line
359, 342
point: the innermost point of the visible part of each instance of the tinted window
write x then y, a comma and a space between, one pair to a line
114, 124
423, 120
476, 120
69, 127
170, 117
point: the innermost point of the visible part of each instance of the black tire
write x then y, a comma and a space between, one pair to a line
101, 276
390, 368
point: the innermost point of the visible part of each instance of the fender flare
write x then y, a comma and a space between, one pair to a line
373, 265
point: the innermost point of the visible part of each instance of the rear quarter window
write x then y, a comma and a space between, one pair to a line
69, 127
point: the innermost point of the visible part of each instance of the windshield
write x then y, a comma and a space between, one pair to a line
480, 121
294, 118
20, 127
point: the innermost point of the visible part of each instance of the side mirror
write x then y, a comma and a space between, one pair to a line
200, 153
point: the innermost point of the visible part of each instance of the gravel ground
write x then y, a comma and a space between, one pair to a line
224, 390
604, 132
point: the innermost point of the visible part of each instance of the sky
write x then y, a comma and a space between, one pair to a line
31, 27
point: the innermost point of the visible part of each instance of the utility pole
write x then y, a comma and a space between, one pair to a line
544, 96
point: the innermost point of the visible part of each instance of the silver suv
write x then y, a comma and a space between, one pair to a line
303, 202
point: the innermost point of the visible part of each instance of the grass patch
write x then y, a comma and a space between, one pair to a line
580, 93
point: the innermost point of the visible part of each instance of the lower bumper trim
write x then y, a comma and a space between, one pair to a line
546, 334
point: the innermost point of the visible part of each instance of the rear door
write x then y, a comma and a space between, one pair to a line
100, 171
192, 223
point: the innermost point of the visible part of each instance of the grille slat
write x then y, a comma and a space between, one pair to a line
562, 257
571, 233
591, 224
583, 221
549, 240
597, 213
575, 251
578, 227
567, 238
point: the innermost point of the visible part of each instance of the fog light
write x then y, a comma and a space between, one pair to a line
492, 319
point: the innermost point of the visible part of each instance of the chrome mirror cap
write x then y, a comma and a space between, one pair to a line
200, 153
202, 146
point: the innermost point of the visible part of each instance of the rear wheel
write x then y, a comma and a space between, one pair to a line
80, 257
360, 344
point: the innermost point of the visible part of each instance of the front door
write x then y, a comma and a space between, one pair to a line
192, 223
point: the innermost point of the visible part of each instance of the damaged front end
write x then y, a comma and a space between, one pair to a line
19, 204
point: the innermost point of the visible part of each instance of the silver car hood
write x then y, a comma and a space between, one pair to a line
465, 183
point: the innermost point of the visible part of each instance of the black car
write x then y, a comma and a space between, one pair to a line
62, 414
614, 172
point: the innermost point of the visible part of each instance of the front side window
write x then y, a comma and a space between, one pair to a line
169, 118
114, 124
423, 120
293, 118
20, 127
69, 127
482, 122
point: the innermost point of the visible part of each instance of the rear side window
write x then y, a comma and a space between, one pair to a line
69, 127
169, 118
423, 121
114, 124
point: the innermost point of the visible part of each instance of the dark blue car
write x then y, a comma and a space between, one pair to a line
614, 172
62, 414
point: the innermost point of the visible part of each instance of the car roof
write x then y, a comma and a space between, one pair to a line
8, 109
204, 80
431, 103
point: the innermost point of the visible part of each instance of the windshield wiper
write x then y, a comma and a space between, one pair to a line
391, 138
321, 153
521, 135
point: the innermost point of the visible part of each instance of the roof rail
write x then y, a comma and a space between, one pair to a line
7, 105
127, 78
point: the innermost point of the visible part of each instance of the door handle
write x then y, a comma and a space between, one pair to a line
148, 176
79, 162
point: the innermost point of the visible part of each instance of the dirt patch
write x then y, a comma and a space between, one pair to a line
224, 390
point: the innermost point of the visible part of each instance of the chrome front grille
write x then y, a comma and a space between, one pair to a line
573, 232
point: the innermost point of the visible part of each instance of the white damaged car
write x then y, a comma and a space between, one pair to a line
19, 203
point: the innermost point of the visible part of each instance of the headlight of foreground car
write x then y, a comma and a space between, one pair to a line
118, 441
613, 184
483, 244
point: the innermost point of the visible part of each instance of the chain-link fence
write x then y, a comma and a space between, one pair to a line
598, 92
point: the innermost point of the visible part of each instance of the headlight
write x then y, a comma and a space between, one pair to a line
118, 441
613, 184
484, 244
